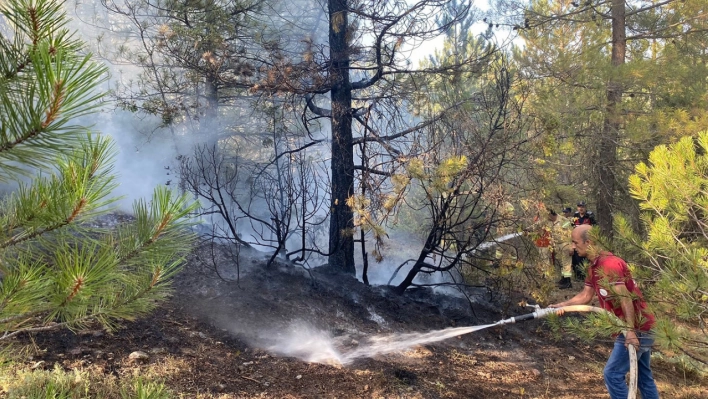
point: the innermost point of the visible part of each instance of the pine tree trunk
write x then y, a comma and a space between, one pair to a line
210, 124
341, 226
211, 92
606, 159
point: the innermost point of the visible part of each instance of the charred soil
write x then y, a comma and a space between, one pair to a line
234, 338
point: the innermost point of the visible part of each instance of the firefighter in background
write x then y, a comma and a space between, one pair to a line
561, 249
568, 214
551, 236
581, 217
542, 237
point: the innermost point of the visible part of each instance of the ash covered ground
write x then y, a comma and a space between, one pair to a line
274, 332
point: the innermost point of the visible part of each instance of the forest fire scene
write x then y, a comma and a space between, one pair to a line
218, 199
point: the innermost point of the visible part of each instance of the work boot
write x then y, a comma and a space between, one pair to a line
565, 283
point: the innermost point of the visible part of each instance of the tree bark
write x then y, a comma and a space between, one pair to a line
211, 88
211, 92
606, 158
341, 226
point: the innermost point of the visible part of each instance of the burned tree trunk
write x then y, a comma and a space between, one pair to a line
341, 239
211, 92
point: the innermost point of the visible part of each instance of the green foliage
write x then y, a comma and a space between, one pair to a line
43, 86
465, 173
18, 383
142, 389
55, 269
566, 58
672, 257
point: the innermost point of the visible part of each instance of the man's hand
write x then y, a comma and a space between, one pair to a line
558, 306
630, 338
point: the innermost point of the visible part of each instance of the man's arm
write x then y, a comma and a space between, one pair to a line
582, 298
625, 298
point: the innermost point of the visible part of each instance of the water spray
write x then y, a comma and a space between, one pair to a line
322, 348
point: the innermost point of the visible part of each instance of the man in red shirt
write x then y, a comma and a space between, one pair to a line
611, 280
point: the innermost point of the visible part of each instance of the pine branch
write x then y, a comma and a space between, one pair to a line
19, 238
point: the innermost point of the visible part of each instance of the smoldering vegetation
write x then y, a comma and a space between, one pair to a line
235, 103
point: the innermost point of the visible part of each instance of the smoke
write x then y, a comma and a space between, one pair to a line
399, 253
141, 163
147, 155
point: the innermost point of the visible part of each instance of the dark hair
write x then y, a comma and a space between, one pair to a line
552, 212
567, 210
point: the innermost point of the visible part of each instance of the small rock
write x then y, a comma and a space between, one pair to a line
536, 373
202, 335
188, 351
75, 351
158, 351
247, 363
37, 364
139, 355
297, 377
571, 358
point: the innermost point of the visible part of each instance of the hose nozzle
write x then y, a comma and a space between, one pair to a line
539, 313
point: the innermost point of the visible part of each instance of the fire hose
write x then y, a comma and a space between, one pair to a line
543, 312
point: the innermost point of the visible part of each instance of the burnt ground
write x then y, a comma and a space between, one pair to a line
220, 339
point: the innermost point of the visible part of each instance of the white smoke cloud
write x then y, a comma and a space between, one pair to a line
142, 162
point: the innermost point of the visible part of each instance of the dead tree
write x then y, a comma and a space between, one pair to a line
362, 62
280, 203
473, 156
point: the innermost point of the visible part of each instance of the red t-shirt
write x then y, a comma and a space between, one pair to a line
607, 270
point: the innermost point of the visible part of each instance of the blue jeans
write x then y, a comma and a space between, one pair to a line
617, 368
